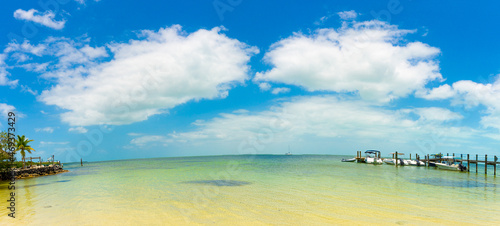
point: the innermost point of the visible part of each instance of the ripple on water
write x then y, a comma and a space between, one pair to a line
219, 182
452, 183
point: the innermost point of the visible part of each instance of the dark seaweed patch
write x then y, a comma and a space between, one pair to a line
452, 183
63, 181
219, 182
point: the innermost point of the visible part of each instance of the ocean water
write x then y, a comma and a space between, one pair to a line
253, 190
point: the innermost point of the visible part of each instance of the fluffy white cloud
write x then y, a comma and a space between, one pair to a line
280, 90
347, 15
471, 94
149, 76
369, 58
46, 129
77, 129
5, 109
442, 92
264, 86
45, 19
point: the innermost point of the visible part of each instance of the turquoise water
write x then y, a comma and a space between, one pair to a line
262, 189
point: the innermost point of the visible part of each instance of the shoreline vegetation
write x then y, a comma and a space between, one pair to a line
43, 169
10, 169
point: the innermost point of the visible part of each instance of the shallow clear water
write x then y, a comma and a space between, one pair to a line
263, 189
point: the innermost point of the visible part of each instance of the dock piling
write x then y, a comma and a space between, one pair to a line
495, 166
468, 163
396, 154
476, 163
485, 164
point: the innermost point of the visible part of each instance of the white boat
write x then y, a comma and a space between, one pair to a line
372, 157
372, 160
449, 163
349, 160
415, 163
390, 161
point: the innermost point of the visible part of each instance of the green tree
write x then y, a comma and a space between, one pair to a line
5, 158
23, 146
4, 145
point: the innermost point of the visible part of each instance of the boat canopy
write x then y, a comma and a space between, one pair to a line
372, 152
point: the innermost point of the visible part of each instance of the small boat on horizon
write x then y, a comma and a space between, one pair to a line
349, 160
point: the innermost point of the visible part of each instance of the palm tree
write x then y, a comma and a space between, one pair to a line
22, 144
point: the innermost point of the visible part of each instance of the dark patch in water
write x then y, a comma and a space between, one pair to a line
33, 185
63, 181
219, 182
47, 206
452, 183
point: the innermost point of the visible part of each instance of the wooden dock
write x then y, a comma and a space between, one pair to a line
427, 160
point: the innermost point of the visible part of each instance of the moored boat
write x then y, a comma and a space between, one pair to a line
450, 163
349, 160
415, 163
373, 157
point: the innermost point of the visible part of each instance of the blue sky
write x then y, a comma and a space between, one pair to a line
104, 80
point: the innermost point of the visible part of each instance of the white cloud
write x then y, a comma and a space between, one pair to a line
473, 94
27, 89
26, 47
439, 93
78, 129
134, 134
48, 143
327, 117
83, 1
368, 58
241, 111
264, 86
348, 15
280, 90
436, 114
46, 129
5, 109
148, 77
4, 80
45, 19
150, 140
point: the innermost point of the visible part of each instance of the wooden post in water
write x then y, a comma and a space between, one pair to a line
396, 159
428, 158
495, 166
81, 161
468, 164
485, 164
476, 163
